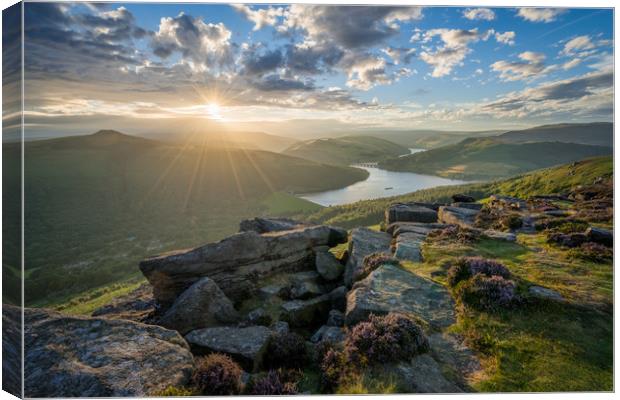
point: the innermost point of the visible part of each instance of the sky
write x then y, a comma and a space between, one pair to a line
140, 67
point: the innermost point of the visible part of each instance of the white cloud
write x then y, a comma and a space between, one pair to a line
572, 63
506, 37
479, 14
454, 50
540, 14
203, 46
261, 17
577, 44
531, 66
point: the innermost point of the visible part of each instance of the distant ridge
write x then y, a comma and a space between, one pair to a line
595, 133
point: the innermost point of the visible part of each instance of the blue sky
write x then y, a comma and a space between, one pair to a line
360, 67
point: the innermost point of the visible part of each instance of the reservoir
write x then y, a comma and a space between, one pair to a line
380, 183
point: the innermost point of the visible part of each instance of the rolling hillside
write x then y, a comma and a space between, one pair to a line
97, 204
597, 133
346, 150
490, 158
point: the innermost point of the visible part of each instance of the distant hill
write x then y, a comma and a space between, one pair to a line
228, 139
430, 139
97, 204
490, 158
346, 150
597, 133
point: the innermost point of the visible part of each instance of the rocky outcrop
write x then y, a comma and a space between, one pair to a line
245, 345
263, 225
464, 217
237, 262
409, 213
397, 228
327, 333
601, 236
201, 306
306, 313
306, 285
364, 242
422, 375
392, 289
328, 266
69, 356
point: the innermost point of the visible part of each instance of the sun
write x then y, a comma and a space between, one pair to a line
214, 111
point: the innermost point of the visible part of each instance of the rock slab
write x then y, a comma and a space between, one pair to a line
364, 242
464, 217
392, 289
68, 356
245, 345
409, 213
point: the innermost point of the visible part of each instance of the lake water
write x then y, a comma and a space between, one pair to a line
376, 186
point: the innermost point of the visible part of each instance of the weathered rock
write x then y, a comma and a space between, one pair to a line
409, 213
263, 225
12, 350
408, 246
544, 293
422, 375
398, 228
498, 235
268, 291
237, 262
364, 242
335, 318
306, 313
280, 327
391, 288
245, 345
452, 354
69, 356
601, 236
338, 298
471, 206
138, 305
306, 285
258, 316
328, 266
408, 251
463, 217
326, 333
462, 198
201, 306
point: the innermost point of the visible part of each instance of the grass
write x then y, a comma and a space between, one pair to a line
91, 300
545, 346
281, 204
